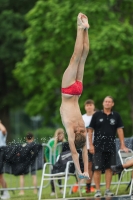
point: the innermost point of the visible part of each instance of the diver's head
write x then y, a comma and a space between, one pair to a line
80, 140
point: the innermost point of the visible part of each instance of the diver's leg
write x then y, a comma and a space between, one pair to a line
69, 76
80, 71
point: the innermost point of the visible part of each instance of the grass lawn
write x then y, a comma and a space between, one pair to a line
13, 182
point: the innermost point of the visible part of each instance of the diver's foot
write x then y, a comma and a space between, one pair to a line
82, 21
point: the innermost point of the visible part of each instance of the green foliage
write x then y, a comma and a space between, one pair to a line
50, 41
10, 52
41, 135
12, 24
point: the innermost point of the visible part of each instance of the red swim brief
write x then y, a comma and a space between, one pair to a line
74, 89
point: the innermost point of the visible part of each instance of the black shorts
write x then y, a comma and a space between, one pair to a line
90, 156
31, 169
103, 160
1, 161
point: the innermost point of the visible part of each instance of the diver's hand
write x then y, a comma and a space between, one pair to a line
83, 175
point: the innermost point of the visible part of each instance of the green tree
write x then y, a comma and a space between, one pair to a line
12, 25
49, 46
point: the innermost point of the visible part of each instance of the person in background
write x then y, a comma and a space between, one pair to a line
3, 136
56, 146
29, 139
105, 124
89, 106
117, 169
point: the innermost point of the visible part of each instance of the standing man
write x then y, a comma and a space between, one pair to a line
89, 106
105, 124
29, 140
3, 135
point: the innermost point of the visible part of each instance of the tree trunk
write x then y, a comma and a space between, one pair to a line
131, 96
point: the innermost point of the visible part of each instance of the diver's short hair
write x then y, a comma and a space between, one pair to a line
80, 140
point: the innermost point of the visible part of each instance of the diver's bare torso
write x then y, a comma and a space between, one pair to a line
70, 112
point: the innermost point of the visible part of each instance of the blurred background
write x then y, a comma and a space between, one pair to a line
36, 42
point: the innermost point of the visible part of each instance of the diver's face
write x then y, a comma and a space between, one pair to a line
79, 130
